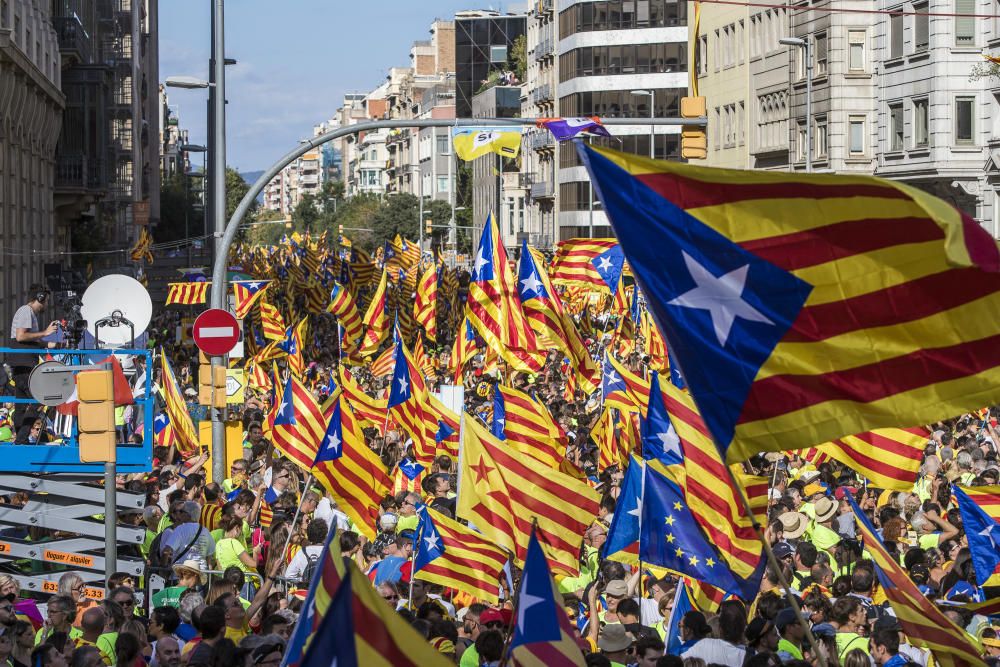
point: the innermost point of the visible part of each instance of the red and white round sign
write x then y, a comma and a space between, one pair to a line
216, 332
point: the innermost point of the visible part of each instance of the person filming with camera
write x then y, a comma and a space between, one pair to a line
26, 333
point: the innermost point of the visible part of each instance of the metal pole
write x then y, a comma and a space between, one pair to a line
809, 94
420, 215
110, 521
218, 149
590, 199
652, 128
218, 292
452, 236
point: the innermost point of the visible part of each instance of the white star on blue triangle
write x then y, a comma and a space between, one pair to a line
536, 610
400, 390
427, 543
331, 447
659, 437
482, 270
286, 409
609, 265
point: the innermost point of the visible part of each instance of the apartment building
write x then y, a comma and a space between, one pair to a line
483, 39
31, 108
617, 58
497, 183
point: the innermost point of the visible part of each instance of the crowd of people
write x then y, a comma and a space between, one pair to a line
229, 561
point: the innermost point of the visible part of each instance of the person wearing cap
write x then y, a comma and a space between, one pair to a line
916, 655
614, 643
470, 656
614, 592
761, 637
790, 635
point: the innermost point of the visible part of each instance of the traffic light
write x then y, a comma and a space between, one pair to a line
212, 385
694, 142
96, 415
428, 226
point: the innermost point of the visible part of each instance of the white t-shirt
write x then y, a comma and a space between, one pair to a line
24, 318
301, 561
717, 651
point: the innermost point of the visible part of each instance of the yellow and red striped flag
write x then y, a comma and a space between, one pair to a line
889, 458
493, 306
383, 364
461, 558
299, 423
923, 622
447, 427
576, 263
527, 426
408, 403
246, 293
187, 294
462, 349
258, 378
272, 321
622, 388
847, 301
425, 307
342, 307
376, 319
369, 411
180, 419
420, 357
501, 492
987, 497
294, 344
357, 479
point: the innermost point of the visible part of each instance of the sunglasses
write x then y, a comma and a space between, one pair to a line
493, 625
390, 597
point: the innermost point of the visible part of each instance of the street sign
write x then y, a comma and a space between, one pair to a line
235, 386
215, 332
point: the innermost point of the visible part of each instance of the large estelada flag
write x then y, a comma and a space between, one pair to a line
805, 307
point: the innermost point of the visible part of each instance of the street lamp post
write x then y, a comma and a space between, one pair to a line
420, 214
805, 45
652, 115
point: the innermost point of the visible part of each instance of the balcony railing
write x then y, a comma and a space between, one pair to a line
79, 172
540, 140
73, 38
541, 94
542, 190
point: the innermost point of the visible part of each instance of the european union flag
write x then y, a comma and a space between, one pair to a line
624, 530
670, 537
286, 409
609, 266
427, 543
659, 437
537, 610
332, 446
499, 421
722, 308
983, 534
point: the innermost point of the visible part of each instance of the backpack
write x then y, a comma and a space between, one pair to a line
310, 569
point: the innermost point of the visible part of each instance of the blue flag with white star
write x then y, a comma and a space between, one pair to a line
499, 421
444, 432
427, 543
400, 391
609, 266
659, 437
285, 415
624, 531
160, 422
528, 284
410, 468
610, 380
682, 605
536, 610
670, 537
676, 377
331, 447
983, 534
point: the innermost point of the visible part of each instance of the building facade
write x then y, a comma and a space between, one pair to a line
617, 58
497, 182
31, 109
483, 42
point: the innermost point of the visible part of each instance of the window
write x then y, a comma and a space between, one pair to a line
896, 36
740, 123
442, 185
442, 145
819, 51
920, 123
498, 54
856, 135
717, 133
895, 127
856, 50
921, 26
965, 26
800, 142
740, 40
820, 140
703, 54
800, 63
964, 121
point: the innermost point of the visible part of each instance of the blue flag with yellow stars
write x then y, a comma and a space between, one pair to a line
670, 537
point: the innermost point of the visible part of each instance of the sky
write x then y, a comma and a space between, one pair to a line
296, 59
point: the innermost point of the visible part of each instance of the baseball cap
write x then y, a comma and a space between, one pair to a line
785, 617
617, 588
783, 550
490, 616
887, 622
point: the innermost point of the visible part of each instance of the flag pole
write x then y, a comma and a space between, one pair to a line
298, 510
773, 562
516, 599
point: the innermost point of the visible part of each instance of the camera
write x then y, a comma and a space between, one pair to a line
73, 325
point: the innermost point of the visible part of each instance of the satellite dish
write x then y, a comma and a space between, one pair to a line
124, 295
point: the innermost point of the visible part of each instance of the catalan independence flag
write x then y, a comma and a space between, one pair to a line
986, 497
889, 458
923, 622
425, 307
246, 293
528, 427
376, 319
179, 418
299, 424
590, 263
343, 307
187, 294
623, 389
494, 309
360, 630
408, 403
806, 307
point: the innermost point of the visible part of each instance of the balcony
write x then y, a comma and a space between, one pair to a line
79, 173
542, 94
542, 190
74, 42
541, 140
545, 6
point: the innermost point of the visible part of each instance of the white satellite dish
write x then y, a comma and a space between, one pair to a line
124, 295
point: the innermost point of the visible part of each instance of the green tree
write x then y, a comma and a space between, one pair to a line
306, 214
178, 217
518, 57
399, 214
236, 189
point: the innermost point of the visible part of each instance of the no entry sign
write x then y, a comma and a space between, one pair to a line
215, 332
